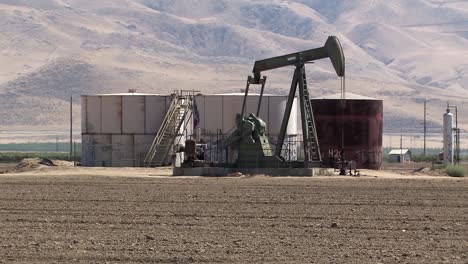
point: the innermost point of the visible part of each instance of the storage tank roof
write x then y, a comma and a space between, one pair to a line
242, 94
398, 151
348, 96
126, 94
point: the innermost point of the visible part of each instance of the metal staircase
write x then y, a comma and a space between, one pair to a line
169, 130
312, 141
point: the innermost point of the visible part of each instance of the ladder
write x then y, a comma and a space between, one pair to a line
311, 141
169, 130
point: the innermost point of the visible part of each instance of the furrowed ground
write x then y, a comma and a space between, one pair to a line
72, 219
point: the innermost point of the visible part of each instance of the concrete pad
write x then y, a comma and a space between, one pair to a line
220, 171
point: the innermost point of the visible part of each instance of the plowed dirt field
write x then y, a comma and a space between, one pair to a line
102, 219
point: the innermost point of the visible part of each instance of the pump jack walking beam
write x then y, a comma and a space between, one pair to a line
332, 50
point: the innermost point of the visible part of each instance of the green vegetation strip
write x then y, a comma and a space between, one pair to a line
39, 147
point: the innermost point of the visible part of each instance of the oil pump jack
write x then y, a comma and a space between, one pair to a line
249, 138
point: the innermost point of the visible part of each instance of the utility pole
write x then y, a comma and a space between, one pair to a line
401, 147
71, 127
457, 137
425, 128
401, 142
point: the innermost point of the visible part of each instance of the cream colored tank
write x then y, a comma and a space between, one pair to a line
118, 129
127, 113
133, 114
123, 151
96, 151
218, 112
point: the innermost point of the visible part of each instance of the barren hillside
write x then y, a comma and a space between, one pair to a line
402, 51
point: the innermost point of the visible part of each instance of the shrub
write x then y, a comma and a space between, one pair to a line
456, 171
424, 158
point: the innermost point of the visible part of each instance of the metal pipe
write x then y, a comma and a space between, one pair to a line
457, 137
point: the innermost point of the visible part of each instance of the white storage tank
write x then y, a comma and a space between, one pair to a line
123, 150
118, 129
133, 114
111, 114
448, 137
218, 112
125, 113
156, 107
142, 144
96, 150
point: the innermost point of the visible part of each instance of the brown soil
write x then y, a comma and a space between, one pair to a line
99, 219
34, 164
7, 167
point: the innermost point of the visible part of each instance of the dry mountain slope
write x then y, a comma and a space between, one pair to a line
400, 51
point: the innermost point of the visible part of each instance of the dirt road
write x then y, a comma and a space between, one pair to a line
95, 219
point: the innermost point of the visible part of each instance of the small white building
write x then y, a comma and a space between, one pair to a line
399, 156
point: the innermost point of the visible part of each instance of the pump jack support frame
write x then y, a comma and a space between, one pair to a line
333, 50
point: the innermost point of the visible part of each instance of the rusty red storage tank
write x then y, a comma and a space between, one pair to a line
360, 119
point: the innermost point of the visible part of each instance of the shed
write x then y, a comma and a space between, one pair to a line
399, 156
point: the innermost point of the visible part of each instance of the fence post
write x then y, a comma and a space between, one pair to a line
74, 153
